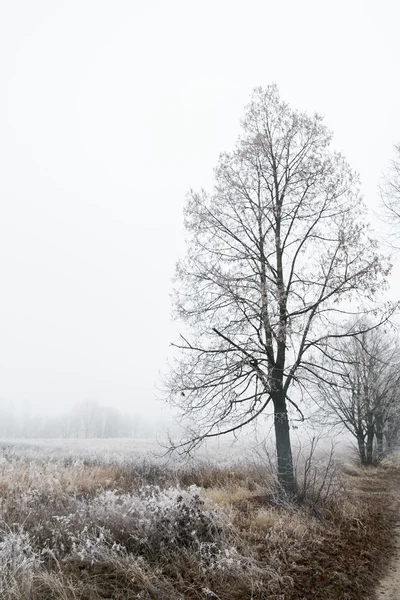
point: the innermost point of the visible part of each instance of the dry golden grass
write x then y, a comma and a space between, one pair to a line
62, 479
226, 495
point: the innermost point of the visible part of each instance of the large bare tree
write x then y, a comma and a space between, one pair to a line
278, 257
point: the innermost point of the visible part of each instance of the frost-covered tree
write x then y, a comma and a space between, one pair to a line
279, 254
361, 391
390, 190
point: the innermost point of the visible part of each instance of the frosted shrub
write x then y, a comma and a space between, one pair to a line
18, 563
177, 518
145, 523
97, 547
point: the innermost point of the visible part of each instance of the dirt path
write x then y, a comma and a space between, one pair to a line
389, 588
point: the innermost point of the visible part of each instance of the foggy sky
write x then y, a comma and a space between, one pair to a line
109, 112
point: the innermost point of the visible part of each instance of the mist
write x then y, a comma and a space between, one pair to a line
110, 113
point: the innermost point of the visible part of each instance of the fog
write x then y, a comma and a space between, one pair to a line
110, 112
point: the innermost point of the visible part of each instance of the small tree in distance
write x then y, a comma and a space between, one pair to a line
278, 257
362, 392
390, 190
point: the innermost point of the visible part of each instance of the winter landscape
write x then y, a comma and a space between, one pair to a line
199, 300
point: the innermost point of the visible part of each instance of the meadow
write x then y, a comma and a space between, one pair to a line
115, 519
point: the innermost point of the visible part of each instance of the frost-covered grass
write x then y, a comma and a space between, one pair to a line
89, 451
88, 520
122, 451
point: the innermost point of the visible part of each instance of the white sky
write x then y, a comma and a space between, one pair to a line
109, 112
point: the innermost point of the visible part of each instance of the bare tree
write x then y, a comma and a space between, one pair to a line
278, 257
390, 200
363, 390
390, 189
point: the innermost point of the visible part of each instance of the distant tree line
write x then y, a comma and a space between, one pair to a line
87, 419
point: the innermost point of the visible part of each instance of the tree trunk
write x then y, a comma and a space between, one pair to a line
392, 434
379, 436
370, 446
361, 447
283, 446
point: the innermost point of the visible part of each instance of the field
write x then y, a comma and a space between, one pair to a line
89, 520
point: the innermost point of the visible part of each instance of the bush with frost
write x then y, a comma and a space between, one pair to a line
143, 524
18, 564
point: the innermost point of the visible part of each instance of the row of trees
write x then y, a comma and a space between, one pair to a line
87, 419
366, 397
362, 392
390, 192
281, 289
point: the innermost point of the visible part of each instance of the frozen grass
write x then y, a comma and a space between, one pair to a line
88, 521
121, 451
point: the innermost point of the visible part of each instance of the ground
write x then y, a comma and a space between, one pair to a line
110, 520
389, 587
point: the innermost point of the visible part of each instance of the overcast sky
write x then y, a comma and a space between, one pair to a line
110, 111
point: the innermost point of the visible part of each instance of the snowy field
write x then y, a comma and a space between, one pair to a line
88, 451
125, 452
119, 452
